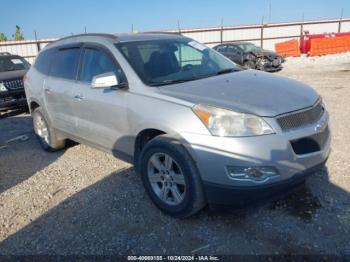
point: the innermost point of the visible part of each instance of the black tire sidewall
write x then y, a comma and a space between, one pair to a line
180, 155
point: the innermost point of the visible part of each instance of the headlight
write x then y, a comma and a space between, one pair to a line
2, 88
223, 122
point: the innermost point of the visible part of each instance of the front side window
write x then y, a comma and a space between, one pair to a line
96, 62
66, 63
233, 49
13, 63
166, 61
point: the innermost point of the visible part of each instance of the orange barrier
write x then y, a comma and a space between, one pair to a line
332, 45
288, 48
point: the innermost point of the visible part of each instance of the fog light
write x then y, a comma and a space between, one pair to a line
255, 174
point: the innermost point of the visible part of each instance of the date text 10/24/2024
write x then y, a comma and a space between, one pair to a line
173, 258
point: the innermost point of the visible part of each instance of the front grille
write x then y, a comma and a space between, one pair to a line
13, 84
311, 143
301, 118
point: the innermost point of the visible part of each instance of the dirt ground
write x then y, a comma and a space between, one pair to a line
83, 201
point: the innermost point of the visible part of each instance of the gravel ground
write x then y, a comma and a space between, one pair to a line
83, 201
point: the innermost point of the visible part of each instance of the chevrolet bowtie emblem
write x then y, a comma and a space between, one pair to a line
321, 125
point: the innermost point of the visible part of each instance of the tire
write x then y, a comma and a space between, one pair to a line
249, 64
190, 196
46, 135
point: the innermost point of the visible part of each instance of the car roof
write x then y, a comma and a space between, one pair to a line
117, 38
8, 55
235, 43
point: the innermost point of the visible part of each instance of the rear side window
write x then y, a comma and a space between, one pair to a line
44, 60
66, 63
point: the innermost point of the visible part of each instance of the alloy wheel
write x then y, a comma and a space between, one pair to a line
166, 178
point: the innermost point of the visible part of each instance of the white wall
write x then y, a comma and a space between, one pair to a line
212, 36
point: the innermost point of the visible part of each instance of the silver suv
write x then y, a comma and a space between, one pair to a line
198, 128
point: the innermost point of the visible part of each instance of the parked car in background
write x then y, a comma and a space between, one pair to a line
12, 95
251, 56
198, 128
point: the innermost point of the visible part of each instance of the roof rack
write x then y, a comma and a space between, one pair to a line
5, 53
114, 37
161, 32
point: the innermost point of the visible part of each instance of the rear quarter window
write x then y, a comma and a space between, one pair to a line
44, 60
65, 64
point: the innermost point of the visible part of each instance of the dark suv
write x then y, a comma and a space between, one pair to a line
12, 96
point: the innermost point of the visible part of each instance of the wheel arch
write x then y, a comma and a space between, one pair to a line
33, 104
142, 138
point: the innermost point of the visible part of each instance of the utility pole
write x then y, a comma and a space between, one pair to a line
36, 40
222, 31
262, 33
341, 18
178, 26
302, 24
85, 29
270, 11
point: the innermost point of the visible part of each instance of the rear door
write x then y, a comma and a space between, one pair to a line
101, 113
59, 86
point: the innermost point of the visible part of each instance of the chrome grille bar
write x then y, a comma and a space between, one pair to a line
13, 84
301, 118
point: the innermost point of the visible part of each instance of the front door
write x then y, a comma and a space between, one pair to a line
101, 114
234, 54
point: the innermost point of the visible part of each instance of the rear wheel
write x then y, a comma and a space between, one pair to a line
170, 177
46, 135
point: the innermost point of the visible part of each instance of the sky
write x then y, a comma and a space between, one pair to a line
58, 18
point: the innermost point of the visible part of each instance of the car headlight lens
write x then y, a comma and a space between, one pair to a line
223, 122
2, 88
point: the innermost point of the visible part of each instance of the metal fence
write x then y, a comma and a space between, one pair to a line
29, 49
264, 35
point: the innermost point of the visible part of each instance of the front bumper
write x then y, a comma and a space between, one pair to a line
241, 197
12, 100
270, 66
214, 154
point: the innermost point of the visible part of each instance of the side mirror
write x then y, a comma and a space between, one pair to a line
104, 80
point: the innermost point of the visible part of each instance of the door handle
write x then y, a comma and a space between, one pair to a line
47, 90
79, 97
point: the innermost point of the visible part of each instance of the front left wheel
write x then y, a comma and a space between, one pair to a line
170, 177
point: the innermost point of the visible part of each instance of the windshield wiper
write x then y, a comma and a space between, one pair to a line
226, 71
176, 81
170, 81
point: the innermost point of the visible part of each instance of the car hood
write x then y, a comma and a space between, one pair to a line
12, 74
247, 91
266, 53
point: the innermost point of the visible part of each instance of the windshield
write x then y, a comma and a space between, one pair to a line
161, 62
248, 47
12, 63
